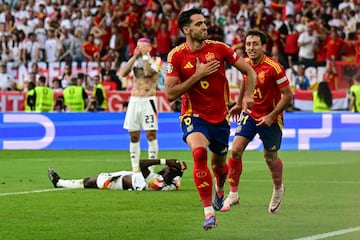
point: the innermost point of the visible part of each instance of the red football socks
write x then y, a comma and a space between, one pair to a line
276, 173
235, 169
220, 175
202, 175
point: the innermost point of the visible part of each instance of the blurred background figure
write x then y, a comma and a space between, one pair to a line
322, 98
92, 105
355, 95
75, 97
43, 96
99, 93
60, 105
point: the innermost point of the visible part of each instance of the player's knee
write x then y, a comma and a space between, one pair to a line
270, 158
89, 183
236, 152
151, 135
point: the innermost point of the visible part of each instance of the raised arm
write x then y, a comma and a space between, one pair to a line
146, 163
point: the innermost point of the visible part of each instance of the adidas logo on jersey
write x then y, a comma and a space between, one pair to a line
188, 65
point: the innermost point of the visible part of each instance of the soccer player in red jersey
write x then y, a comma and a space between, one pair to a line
271, 96
196, 71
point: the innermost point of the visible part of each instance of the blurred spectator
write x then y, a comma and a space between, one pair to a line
100, 93
5, 78
65, 79
43, 96
322, 98
173, 29
107, 68
60, 104
108, 83
99, 31
92, 105
31, 78
5, 50
56, 85
116, 43
354, 105
90, 49
16, 46
349, 48
215, 31
307, 43
334, 45
330, 76
238, 42
32, 19
41, 36
75, 97
85, 81
53, 46
302, 82
163, 41
29, 97
219, 11
22, 25
288, 39
66, 39
273, 46
31, 50
79, 23
14, 87
76, 46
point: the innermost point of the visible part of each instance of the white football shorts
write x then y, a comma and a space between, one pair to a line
141, 114
114, 180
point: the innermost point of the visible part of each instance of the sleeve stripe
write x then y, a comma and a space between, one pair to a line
281, 80
275, 65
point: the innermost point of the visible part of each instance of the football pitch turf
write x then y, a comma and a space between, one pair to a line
322, 200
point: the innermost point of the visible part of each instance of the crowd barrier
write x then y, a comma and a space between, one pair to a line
104, 131
14, 101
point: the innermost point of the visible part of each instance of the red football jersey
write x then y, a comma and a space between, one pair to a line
209, 97
270, 78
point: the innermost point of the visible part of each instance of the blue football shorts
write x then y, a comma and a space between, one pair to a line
270, 136
217, 134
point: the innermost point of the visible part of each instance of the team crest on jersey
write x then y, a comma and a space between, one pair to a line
169, 68
261, 77
209, 57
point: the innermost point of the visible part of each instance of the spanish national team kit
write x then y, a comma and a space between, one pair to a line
270, 78
199, 113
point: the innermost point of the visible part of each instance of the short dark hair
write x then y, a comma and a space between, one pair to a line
357, 78
184, 18
254, 32
42, 79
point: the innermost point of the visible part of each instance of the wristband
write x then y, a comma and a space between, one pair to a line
163, 161
145, 58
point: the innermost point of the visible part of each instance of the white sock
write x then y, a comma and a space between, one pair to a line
135, 156
233, 194
78, 183
153, 152
209, 210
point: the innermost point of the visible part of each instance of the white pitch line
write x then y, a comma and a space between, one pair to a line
330, 234
29, 192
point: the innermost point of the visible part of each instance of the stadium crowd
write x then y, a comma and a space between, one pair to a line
301, 32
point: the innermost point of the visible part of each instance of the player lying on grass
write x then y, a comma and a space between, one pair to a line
169, 178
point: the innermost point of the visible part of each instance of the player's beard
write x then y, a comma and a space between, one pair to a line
199, 36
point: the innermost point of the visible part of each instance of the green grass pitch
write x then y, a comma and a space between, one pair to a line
322, 196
